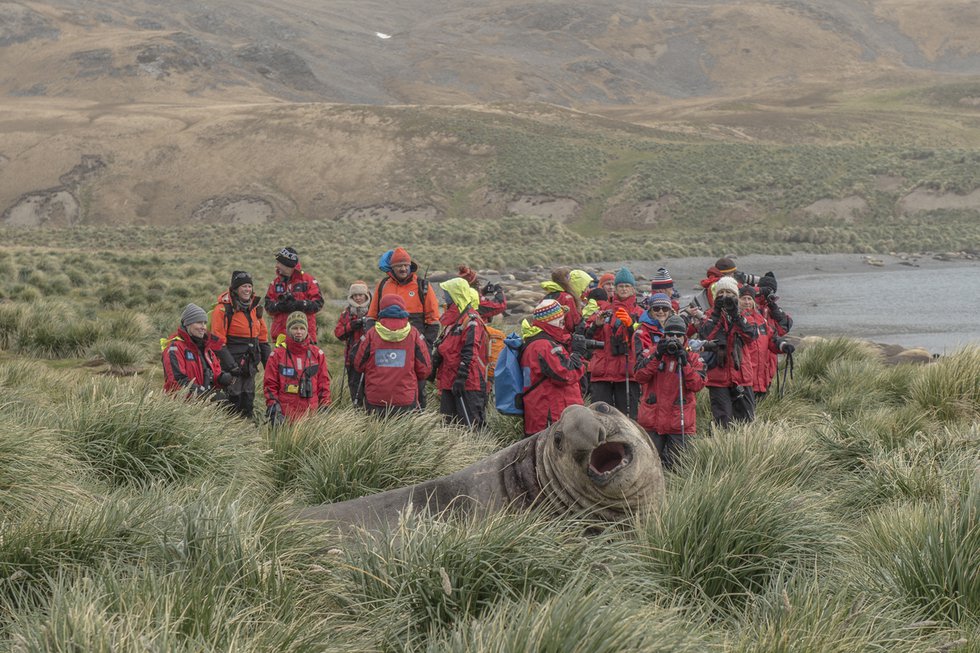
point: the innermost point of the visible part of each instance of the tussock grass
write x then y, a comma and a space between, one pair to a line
56, 329
138, 438
814, 360
121, 356
950, 388
582, 617
427, 576
927, 555
347, 454
721, 539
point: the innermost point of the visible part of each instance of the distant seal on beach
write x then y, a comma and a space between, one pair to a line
593, 460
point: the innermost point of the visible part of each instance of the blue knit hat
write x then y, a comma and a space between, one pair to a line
625, 276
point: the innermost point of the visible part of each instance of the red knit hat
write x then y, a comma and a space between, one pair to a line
607, 277
392, 300
399, 255
467, 274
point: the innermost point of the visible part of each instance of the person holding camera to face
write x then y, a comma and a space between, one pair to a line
777, 323
611, 367
730, 369
297, 381
670, 376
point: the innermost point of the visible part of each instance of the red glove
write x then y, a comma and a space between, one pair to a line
623, 316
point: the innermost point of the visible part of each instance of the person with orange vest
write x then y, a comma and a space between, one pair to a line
401, 278
190, 360
292, 290
297, 381
393, 358
461, 359
237, 319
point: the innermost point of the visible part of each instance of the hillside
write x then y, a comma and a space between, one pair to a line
606, 115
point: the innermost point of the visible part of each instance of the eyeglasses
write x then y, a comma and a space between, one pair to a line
659, 309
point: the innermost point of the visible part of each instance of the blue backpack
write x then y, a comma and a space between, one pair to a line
509, 378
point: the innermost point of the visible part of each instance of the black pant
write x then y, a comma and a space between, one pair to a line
732, 404
669, 446
355, 386
241, 395
614, 394
372, 409
452, 408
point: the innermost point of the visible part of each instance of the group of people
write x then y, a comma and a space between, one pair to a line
589, 337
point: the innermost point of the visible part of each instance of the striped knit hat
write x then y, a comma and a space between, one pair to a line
296, 317
725, 265
661, 280
548, 310
659, 299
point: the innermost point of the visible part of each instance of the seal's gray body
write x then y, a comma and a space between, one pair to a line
592, 460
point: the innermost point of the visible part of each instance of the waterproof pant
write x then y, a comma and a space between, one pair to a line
669, 446
383, 411
241, 395
468, 410
355, 386
732, 404
614, 394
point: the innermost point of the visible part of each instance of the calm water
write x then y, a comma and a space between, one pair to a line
938, 309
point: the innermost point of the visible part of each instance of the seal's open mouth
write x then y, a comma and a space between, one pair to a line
607, 459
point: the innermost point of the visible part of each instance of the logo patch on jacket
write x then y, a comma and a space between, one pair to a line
287, 371
189, 355
389, 358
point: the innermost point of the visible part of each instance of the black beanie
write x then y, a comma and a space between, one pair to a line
288, 257
768, 280
239, 278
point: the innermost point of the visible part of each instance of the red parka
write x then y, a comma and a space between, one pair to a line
733, 366
777, 324
349, 330
617, 359
660, 392
554, 376
188, 366
306, 298
464, 353
394, 358
296, 377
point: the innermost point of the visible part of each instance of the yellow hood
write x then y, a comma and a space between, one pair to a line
461, 293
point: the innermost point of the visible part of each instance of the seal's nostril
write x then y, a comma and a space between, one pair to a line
601, 407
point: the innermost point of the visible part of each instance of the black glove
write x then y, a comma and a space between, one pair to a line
459, 386
357, 324
226, 379
275, 415
739, 276
490, 289
786, 348
578, 344
661, 347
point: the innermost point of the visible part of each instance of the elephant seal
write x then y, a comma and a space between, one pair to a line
593, 460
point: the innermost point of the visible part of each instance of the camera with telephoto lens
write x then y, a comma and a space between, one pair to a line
673, 348
727, 304
588, 343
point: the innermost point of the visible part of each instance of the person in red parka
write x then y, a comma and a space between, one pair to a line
766, 344
493, 302
667, 414
292, 290
567, 287
553, 360
730, 369
190, 357
297, 381
350, 327
461, 358
394, 359
778, 324
611, 368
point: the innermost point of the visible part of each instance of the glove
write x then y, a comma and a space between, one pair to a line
226, 379
786, 348
275, 415
490, 289
623, 316
578, 344
682, 359
236, 371
357, 324
661, 347
739, 276
459, 386
767, 285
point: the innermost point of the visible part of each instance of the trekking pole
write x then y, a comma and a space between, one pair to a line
787, 371
360, 384
680, 385
466, 415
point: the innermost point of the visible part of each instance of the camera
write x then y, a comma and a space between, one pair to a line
727, 304
306, 381
673, 348
588, 343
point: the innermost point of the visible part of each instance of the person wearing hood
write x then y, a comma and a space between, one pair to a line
554, 360
349, 329
730, 366
671, 377
567, 287
190, 357
611, 368
461, 357
394, 360
292, 290
237, 319
401, 279
297, 381
493, 302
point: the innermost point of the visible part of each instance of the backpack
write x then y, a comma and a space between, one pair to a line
511, 380
496, 346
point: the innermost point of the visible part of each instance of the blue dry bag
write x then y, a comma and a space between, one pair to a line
509, 377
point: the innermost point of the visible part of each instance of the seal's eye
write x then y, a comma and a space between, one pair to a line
601, 407
558, 438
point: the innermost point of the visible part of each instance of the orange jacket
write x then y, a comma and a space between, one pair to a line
409, 291
242, 324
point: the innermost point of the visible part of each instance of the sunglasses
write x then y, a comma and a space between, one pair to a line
659, 309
